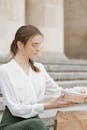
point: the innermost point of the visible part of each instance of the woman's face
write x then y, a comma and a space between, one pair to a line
32, 47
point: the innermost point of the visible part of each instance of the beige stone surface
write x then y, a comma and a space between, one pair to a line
10, 9
35, 12
12, 16
48, 16
45, 14
75, 28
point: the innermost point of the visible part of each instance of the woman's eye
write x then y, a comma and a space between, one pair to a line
36, 45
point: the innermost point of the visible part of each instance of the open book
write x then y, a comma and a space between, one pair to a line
76, 94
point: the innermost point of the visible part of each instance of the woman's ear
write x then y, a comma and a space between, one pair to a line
20, 45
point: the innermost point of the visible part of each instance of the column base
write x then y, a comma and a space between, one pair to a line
49, 57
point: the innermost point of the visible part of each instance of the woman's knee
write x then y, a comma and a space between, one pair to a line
36, 124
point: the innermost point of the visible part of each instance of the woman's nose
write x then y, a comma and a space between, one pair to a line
37, 49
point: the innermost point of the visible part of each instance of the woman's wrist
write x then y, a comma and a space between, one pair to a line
47, 106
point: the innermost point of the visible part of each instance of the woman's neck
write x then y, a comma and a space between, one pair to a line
23, 62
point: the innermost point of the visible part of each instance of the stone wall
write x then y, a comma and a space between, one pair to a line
12, 16
75, 12
47, 15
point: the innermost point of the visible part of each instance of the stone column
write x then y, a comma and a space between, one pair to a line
48, 15
75, 28
12, 15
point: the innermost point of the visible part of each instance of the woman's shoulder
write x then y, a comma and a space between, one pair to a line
2, 70
5, 66
2, 67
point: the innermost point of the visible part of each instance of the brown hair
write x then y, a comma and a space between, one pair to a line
23, 34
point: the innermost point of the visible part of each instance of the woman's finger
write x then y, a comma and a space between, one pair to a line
85, 97
61, 96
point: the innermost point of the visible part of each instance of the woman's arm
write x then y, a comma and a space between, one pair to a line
57, 102
53, 93
52, 88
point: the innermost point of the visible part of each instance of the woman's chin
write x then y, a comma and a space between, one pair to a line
33, 57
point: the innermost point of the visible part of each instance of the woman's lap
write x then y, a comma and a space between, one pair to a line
16, 123
29, 124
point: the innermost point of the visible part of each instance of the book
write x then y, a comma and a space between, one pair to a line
75, 97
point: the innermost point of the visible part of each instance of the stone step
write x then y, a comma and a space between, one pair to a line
68, 75
55, 60
73, 83
65, 68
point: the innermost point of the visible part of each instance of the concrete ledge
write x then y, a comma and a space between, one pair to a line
48, 117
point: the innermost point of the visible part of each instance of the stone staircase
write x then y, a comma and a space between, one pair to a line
66, 73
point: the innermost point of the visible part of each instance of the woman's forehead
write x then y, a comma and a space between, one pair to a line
37, 39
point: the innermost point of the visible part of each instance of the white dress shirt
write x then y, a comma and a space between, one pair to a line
24, 94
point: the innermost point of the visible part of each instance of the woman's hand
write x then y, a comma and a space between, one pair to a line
58, 103
83, 90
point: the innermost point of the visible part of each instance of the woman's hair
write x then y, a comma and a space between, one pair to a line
23, 34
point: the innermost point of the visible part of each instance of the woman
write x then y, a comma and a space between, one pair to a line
25, 83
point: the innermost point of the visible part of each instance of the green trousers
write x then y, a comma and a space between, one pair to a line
10, 122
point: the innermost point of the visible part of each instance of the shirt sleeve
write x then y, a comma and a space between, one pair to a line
52, 88
17, 108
